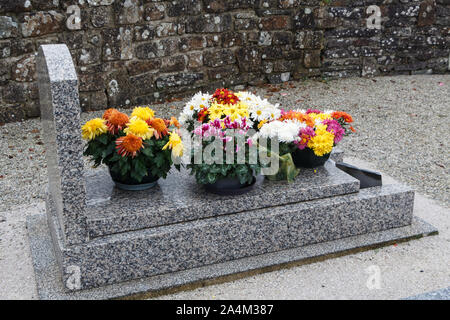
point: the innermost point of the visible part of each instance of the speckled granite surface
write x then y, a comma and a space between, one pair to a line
443, 294
187, 245
179, 198
49, 285
60, 114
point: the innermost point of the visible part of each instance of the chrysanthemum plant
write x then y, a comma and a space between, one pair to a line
218, 135
224, 103
133, 147
313, 129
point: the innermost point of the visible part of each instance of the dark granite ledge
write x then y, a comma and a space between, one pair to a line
179, 198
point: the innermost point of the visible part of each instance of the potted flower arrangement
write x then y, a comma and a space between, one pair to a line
308, 135
138, 150
225, 177
203, 108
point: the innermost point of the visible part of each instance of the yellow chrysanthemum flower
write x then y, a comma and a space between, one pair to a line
242, 109
232, 112
322, 143
243, 113
320, 116
93, 128
139, 128
144, 113
175, 144
261, 123
215, 112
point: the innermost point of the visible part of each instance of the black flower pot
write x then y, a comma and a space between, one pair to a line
306, 158
131, 184
229, 186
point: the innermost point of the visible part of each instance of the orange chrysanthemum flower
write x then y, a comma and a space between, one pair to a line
295, 115
128, 145
174, 122
344, 115
160, 127
108, 113
117, 121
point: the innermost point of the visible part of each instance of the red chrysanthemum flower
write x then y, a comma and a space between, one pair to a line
225, 96
202, 114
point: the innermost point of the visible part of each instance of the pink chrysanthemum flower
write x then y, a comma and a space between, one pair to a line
305, 135
313, 111
335, 128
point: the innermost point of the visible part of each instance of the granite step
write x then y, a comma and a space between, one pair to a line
179, 199
164, 249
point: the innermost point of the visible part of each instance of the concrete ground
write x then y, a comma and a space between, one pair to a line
402, 130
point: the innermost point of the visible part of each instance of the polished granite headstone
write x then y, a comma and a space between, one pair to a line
60, 115
104, 236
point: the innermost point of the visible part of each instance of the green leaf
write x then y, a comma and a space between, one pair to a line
103, 139
159, 160
140, 167
148, 152
136, 176
211, 177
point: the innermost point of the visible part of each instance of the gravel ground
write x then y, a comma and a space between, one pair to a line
401, 122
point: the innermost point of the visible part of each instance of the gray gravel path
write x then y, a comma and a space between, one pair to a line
402, 125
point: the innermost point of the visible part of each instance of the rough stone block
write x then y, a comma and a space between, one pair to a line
275, 23
217, 58
178, 80
249, 59
8, 27
41, 23
209, 24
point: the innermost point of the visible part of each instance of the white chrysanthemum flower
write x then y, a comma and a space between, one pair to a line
198, 102
246, 96
188, 110
200, 99
183, 118
263, 110
328, 111
301, 111
284, 131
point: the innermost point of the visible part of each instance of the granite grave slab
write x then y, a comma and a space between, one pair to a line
179, 198
102, 236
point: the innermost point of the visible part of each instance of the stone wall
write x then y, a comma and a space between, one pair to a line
132, 52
